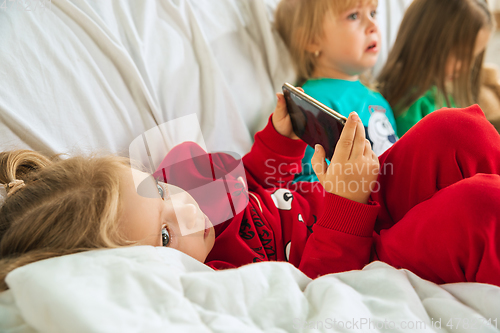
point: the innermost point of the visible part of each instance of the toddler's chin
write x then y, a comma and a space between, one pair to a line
372, 62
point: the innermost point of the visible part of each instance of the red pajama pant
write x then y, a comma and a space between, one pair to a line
440, 199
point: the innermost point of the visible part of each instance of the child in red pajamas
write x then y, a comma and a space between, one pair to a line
434, 210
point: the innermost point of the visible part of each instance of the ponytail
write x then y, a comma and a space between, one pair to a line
55, 207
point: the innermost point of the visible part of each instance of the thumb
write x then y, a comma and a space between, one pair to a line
318, 162
281, 106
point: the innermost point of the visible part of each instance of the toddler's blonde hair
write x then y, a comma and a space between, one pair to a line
65, 206
300, 22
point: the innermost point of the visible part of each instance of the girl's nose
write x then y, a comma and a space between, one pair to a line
187, 218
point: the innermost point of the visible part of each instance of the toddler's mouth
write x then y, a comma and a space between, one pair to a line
372, 47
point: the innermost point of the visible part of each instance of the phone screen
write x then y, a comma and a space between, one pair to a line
311, 123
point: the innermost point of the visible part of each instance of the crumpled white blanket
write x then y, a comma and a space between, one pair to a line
146, 289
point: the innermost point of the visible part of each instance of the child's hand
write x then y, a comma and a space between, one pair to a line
354, 167
281, 119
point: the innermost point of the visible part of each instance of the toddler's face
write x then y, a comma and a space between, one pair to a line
350, 43
163, 215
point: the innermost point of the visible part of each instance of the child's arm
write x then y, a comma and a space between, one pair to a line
342, 237
276, 155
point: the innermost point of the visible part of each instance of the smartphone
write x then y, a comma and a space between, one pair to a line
313, 121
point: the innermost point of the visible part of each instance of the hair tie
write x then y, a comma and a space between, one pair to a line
14, 185
7, 190
3, 194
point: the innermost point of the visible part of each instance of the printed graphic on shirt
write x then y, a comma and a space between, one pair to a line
300, 218
240, 188
282, 199
287, 250
263, 245
256, 218
380, 132
261, 256
310, 227
266, 240
245, 230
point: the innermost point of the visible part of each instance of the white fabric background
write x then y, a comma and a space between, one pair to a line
90, 75
389, 16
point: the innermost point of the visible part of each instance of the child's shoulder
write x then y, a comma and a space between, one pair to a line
375, 95
344, 96
327, 86
427, 102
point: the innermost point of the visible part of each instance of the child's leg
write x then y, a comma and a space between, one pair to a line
452, 237
445, 147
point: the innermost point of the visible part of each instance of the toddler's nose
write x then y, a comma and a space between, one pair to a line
373, 25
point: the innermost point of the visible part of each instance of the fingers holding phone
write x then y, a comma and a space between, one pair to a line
354, 167
281, 119
313, 122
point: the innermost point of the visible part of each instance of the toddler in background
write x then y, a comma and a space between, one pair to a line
436, 59
332, 43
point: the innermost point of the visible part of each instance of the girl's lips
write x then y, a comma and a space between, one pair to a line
208, 226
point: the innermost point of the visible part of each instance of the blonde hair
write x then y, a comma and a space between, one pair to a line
432, 31
300, 22
66, 206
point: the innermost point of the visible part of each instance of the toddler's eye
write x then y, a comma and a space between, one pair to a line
353, 16
165, 237
373, 13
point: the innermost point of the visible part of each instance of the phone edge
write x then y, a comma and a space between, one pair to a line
334, 113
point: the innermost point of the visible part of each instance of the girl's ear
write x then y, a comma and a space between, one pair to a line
303, 41
313, 47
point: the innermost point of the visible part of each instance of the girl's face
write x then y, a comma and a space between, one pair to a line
158, 214
453, 65
350, 44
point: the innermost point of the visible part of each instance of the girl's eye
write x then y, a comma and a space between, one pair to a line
165, 237
162, 191
353, 16
373, 13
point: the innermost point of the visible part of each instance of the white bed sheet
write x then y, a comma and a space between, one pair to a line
146, 289
90, 75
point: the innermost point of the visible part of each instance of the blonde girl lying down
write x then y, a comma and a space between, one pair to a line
436, 213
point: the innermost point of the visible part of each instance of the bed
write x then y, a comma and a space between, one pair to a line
79, 76
147, 289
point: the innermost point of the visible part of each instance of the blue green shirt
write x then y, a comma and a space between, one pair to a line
347, 96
